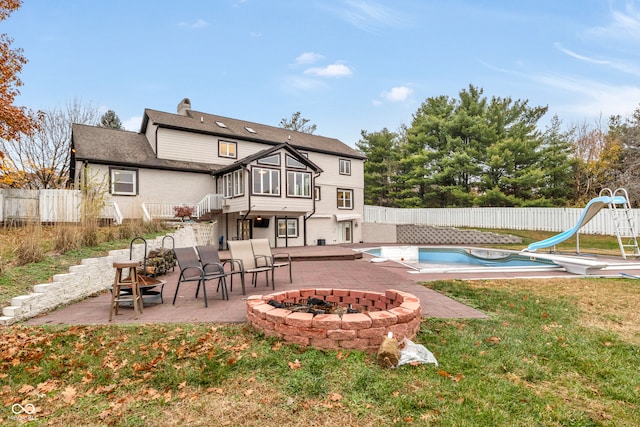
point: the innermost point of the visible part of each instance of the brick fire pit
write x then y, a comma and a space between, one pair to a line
395, 311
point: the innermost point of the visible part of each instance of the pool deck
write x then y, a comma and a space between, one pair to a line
334, 266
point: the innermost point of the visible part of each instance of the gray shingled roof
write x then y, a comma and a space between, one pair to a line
206, 123
124, 148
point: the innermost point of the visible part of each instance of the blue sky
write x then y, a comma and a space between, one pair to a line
346, 65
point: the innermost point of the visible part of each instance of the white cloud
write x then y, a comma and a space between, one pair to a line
581, 57
397, 94
591, 98
302, 84
308, 58
200, 23
133, 123
333, 70
624, 25
618, 64
367, 15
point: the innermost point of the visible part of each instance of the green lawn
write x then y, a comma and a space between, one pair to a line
562, 352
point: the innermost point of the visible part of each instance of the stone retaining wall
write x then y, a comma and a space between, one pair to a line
393, 311
91, 276
430, 235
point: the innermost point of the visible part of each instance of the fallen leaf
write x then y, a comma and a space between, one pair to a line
26, 389
444, 373
295, 364
69, 395
335, 396
248, 392
493, 340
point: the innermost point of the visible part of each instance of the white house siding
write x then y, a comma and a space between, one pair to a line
151, 135
170, 186
187, 146
195, 147
322, 227
323, 224
158, 186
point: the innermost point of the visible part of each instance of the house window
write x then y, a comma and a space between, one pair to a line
345, 167
294, 163
287, 227
227, 185
238, 182
266, 181
233, 183
227, 149
273, 160
345, 199
298, 184
124, 182
316, 193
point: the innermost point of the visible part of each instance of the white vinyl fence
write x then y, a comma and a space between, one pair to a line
51, 206
545, 219
64, 206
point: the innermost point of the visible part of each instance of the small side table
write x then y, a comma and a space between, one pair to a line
126, 288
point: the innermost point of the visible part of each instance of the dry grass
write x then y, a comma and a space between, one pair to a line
607, 304
28, 245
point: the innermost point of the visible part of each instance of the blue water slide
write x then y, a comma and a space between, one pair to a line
593, 207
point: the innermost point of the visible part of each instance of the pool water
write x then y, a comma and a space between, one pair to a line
448, 257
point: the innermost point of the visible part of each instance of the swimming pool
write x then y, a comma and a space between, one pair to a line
426, 259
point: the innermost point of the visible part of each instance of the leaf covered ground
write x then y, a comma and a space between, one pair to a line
551, 353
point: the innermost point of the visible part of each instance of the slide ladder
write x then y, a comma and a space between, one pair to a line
622, 217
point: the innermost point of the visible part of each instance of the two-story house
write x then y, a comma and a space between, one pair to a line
291, 187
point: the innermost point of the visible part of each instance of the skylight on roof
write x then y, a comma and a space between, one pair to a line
222, 125
250, 130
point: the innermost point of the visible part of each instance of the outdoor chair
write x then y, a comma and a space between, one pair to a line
209, 257
191, 270
242, 252
261, 248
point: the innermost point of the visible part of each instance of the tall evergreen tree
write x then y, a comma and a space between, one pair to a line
111, 120
558, 165
380, 168
458, 150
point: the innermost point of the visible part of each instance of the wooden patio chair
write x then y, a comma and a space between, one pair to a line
262, 248
209, 257
191, 270
242, 251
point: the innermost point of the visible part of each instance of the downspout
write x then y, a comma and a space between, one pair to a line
244, 167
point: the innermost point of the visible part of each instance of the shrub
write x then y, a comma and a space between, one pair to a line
183, 212
29, 247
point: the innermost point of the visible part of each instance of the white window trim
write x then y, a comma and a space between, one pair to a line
238, 183
306, 188
227, 185
274, 179
341, 202
227, 144
345, 167
134, 183
288, 221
